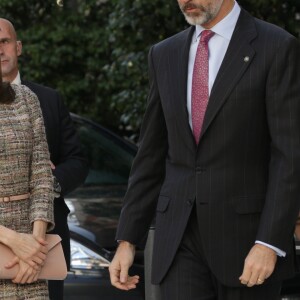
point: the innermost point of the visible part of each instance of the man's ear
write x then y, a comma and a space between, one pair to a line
19, 48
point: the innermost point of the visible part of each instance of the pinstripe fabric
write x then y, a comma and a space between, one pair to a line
190, 277
243, 175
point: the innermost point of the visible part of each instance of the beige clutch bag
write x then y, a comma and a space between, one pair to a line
54, 267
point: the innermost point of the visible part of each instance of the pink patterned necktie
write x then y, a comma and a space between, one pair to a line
200, 84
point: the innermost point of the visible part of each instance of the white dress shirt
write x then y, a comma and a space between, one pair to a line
17, 80
217, 46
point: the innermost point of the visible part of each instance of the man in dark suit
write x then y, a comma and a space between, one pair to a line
69, 166
218, 163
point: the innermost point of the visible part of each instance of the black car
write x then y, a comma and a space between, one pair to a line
95, 208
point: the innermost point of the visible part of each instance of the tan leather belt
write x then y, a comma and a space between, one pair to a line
14, 198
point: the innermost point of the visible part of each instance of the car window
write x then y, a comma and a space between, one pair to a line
110, 157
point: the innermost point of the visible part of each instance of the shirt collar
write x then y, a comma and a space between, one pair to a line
226, 26
17, 80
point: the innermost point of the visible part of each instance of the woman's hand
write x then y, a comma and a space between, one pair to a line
26, 273
29, 249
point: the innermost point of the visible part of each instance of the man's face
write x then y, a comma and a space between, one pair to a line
10, 49
200, 12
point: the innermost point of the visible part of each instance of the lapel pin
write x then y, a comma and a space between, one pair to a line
246, 58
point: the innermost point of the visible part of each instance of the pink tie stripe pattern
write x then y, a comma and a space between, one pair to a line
200, 92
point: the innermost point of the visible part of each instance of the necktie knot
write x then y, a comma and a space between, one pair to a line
206, 35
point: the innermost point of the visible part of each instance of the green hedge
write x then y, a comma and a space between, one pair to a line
95, 51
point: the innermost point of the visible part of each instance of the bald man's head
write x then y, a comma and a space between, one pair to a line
8, 26
10, 50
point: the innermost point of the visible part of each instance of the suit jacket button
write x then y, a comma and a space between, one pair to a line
200, 170
190, 202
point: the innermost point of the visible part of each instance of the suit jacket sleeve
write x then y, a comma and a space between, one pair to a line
148, 170
64, 145
72, 168
283, 111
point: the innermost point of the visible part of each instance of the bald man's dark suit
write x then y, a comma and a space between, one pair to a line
65, 153
244, 176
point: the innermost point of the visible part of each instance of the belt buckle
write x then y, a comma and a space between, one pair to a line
6, 199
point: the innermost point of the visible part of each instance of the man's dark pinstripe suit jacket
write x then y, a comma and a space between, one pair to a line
244, 175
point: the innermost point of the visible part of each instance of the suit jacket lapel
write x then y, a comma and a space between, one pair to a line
179, 62
237, 59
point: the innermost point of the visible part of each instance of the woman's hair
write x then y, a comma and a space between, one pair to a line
7, 94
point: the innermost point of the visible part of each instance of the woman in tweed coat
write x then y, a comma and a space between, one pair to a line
26, 197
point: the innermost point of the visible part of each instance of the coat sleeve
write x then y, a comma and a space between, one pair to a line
41, 179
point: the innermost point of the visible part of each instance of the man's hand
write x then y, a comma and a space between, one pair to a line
120, 265
259, 265
297, 229
52, 165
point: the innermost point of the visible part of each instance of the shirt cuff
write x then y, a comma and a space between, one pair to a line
279, 252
